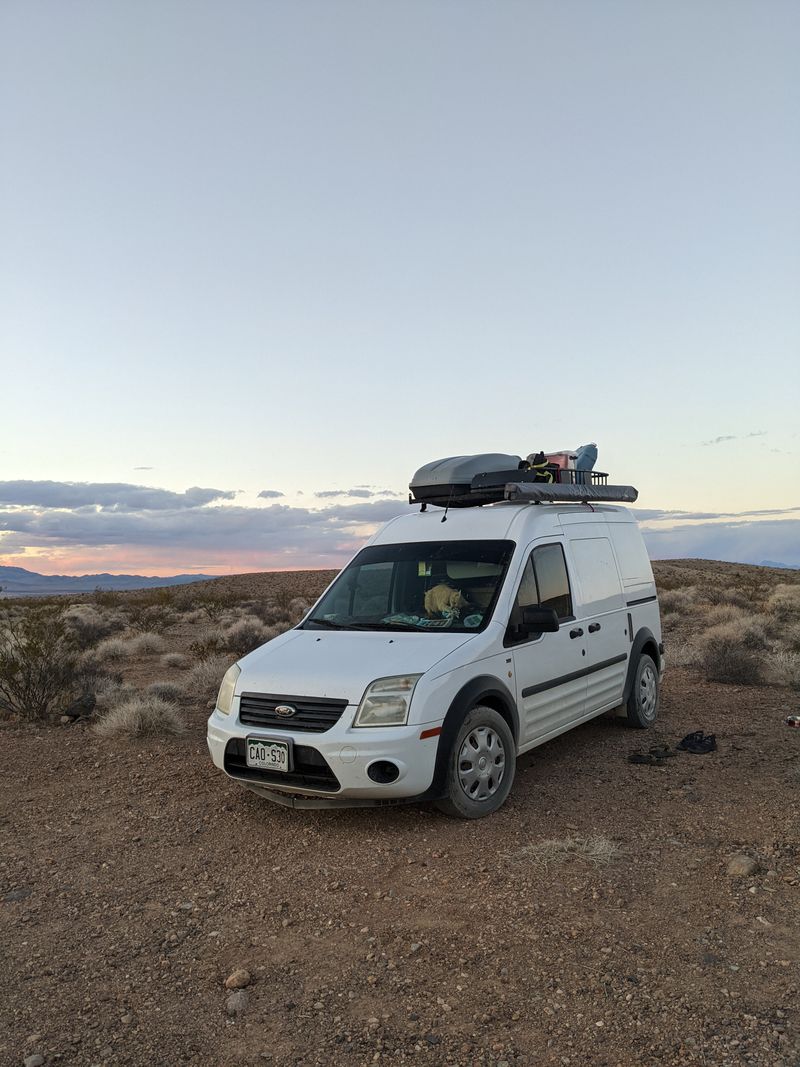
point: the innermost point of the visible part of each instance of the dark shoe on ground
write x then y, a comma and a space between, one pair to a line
698, 742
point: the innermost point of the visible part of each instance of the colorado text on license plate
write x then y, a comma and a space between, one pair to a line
267, 755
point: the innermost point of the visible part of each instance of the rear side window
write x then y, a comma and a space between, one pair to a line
544, 583
597, 573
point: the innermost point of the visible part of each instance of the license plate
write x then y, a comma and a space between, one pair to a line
267, 755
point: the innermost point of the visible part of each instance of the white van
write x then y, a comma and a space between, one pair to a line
444, 650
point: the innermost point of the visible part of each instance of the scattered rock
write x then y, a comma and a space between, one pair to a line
237, 1002
34, 1061
742, 866
238, 980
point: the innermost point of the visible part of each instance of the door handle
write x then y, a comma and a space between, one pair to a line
576, 633
594, 627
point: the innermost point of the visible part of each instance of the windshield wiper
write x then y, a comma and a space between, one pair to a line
327, 622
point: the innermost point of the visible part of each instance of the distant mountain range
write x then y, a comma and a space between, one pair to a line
16, 581
781, 566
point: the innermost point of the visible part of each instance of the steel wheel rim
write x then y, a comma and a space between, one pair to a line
648, 692
481, 763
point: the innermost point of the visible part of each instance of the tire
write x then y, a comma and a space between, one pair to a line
642, 706
476, 788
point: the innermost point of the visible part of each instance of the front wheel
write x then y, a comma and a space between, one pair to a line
642, 706
480, 766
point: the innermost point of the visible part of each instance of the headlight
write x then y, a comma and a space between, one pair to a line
386, 701
228, 688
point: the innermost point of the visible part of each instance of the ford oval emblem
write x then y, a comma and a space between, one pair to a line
285, 710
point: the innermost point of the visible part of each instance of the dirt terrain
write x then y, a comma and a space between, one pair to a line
135, 878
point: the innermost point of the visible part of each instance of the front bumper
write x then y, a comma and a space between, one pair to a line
330, 766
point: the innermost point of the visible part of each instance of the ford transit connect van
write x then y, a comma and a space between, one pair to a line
442, 652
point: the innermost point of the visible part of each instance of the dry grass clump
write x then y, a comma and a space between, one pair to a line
246, 634
733, 652
145, 643
203, 680
142, 716
596, 849
784, 601
165, 690
679, 600
783, 668
718, 614
112, 649
175, 659
86, 624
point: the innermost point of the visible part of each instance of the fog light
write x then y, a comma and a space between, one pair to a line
383, 772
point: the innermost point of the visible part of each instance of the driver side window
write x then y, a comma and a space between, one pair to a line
545, 584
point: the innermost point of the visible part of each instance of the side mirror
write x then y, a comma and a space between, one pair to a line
538, 620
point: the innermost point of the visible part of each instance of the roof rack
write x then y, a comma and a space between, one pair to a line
491, 487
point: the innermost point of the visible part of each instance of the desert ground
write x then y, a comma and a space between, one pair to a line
595, 920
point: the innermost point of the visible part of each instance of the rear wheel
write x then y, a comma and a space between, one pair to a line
642, 706
480, 766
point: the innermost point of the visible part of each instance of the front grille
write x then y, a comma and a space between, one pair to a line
313, 714
309, 768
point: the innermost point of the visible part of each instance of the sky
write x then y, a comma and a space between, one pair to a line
260, 261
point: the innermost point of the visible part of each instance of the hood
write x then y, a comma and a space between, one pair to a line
340, 664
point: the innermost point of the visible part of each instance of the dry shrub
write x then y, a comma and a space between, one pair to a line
298, 609
145, 643
719, 614
749, 631
141, 716
733, 652
151, 618
732, 597
791, 636
165, 690
679, 600
114, 692
207, 644
683, 654
174, 659
203, 680
783, 668
596, 849
246, 634
112, 649
40, 667
86, 624
784, 601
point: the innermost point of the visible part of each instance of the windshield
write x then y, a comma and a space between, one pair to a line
427, 586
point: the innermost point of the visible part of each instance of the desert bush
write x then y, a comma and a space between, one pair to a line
165, 690
151, 618
680, 600
733, 652
246, 634
203, 680
683, 654
737, 598
40, 666
718, 614
749, 631
791, 636
141, 716
207, 644
145, 643
107, 598
86, 624
298, 608
783, 668
784, 601
174, 659
111, 649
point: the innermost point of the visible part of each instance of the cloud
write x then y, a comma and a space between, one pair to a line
117, 496
270, 494
734, 437
360, 491
737, 542
144, 468
655, 515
